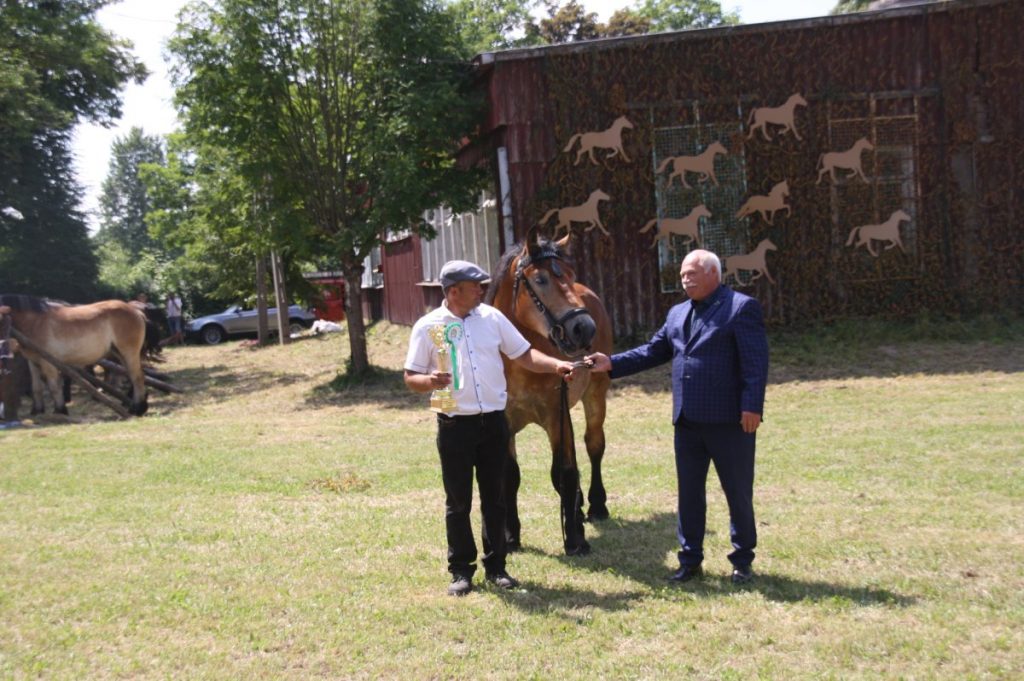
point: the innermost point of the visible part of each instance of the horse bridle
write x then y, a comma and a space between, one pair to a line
556, 325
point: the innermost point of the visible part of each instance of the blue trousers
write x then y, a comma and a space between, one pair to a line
732, 451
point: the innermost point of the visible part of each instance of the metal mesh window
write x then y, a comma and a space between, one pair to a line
721, 233
891, 168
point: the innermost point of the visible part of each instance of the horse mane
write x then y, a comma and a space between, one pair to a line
24, 303
549, 249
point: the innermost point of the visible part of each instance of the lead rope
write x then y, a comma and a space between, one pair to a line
566, 442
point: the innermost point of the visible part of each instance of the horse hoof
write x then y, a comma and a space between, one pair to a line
513, 545
581, 550
600, 513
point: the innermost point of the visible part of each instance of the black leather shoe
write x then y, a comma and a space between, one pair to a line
460, 586
503, 580
742, 575
685, 574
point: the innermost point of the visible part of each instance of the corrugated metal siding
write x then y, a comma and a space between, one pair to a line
404, 300
956, 66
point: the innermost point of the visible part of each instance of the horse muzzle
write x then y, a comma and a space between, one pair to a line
574, 331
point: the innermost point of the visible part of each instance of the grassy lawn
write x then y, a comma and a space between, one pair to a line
263, 525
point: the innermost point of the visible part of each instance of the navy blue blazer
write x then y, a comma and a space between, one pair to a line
719, 369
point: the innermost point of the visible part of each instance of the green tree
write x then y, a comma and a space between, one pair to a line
626, 22
348, 110
58, 67
488, 25
847, 6
673, 15
123, 199
566, 23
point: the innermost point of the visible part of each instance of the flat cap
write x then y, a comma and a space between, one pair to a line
455, 271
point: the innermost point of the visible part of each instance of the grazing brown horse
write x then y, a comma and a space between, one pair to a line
535, 286
79, 335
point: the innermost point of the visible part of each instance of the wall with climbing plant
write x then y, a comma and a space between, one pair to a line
867, 164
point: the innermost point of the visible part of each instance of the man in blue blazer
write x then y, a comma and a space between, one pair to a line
719, 352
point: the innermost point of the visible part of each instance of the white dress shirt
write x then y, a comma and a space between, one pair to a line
487, 334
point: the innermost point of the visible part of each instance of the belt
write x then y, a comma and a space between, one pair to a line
471, 417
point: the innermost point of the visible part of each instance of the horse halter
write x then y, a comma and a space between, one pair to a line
556, 325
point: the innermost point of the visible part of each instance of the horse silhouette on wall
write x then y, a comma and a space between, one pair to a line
752, 262
703, 164
605, 139
767, 206
847, 160
585, 212
887, 231
688, 227
779, 115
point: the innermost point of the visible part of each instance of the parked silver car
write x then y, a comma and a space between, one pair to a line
214, 328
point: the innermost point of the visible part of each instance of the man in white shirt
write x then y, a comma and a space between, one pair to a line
474, 433
174, 318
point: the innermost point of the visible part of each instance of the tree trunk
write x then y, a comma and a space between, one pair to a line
261, 300
356, 327
281, 295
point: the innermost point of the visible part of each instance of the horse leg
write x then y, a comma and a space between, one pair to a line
594, 411
133, 365
52, 378
513, 528
38, 405
565, 477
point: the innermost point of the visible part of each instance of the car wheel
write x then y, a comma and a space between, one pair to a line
212, 334
295, 327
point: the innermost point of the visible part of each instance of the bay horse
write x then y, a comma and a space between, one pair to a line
535, 286
79, 335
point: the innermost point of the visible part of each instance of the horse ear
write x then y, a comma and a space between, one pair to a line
565, 244
532, 245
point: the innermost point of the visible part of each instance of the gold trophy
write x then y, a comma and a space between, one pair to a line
445, 337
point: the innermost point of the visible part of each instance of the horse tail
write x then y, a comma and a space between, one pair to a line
853, 233
547, 216
663, 165
750, 118
572, 141
744, 210
646, 228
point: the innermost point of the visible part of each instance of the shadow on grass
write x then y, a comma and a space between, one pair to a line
619, 548
379, 385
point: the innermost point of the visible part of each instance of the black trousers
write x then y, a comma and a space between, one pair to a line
732, 452
468, 443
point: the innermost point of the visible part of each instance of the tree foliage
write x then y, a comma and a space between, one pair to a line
123, 199
57, 67
572, 22
488, 25
347, 110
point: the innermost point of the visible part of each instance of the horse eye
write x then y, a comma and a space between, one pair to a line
540, 280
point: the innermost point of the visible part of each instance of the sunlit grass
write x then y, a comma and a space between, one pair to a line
268, 524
